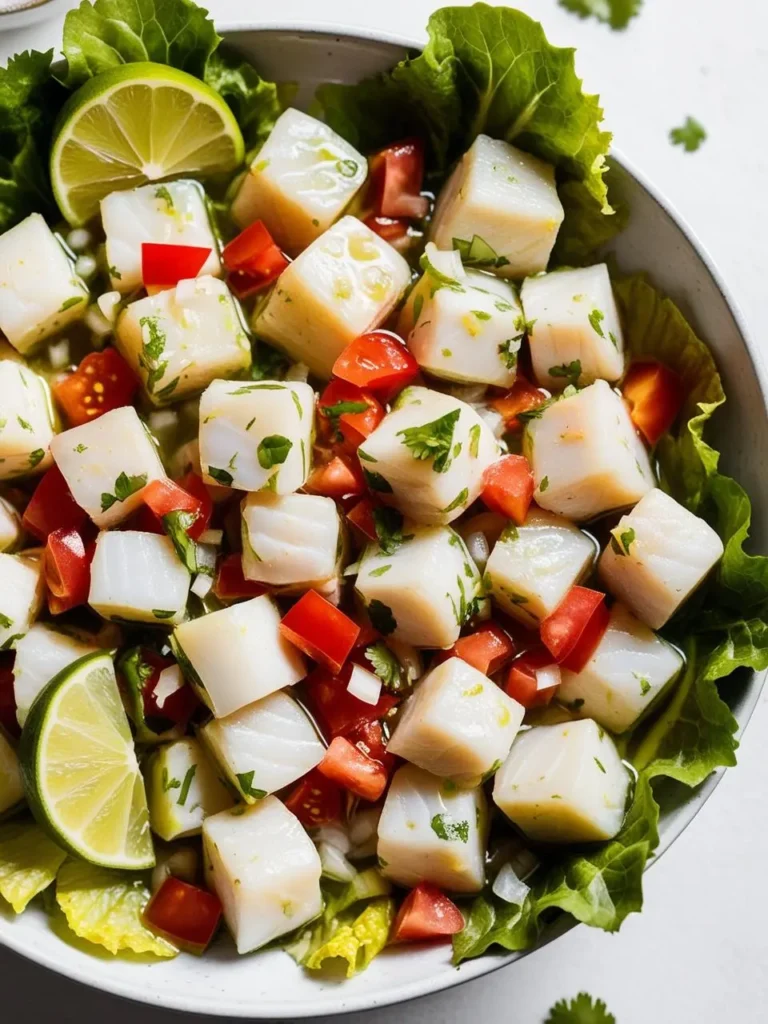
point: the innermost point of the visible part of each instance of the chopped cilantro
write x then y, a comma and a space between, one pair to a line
690, 135
600, 765
273, 450
246, 389
176, 525
80, 448
433, 440
334, 412
69, 303
596, 318
625, 540
418, 305
161, 192
508, 352
387, 667
376, 482
571, 371
480, 314
381, 570
221, 476
448, 830
245, 781
581, 1010
125, 486
381, 617
477, 253
153, 346
365, 457
163, 613
297, 403
544, 485
457, 502
474, 440
185, 785
114, 273
389, 529
168, 782
36, 457
5, 622
346, 168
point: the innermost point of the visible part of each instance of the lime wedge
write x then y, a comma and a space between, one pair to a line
79, 767
134, 124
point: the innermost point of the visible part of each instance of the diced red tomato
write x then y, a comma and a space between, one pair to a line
178, 707
164, 496
320, 629
378, 361
145, 521
185, 914
573, 631
315, 800
655, 395
348, 766
52, 507
8, 720
230, 584
522, 683
508, 487
253, 260
391, 229
348, 414
67, 569
361, 516
369, 738
487, 649
521, 397
340, 477
164, 265
397, 174
102, 382
337, 710
426, 913
194, 485
368, 635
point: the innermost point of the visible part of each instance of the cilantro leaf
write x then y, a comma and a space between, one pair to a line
221, 476
433, 440
185, 785
381, 617
125, 486
581, 1010
153, 346
596, 318
445, 828
387, 667
273, 450
375, 481
571, 371
177, 525
478, 253
333, 414
245, 781
389, 529
616, 13
690, 135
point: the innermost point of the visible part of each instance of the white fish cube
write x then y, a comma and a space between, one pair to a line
183, 789
182, 338
11, 529
500, 209
265, 870
291, 539
427, 457
300, 181
345, 283
11, 786
40, 655
236, 655
628, 670
257, 436
457, 722
265, 745
22, 589
26, 421
575, 333
138, 577
532, 567
564, 783
106, 463
171, 213
425, 591
659, 554
432, 831
468, 330
586, 456
40, 293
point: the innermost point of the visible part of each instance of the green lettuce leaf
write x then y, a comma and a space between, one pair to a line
255, 103
359, 942
616, 13
29, 862
586, 229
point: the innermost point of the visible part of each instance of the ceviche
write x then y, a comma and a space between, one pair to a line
363, 562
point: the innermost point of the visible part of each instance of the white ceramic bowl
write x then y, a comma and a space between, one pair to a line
269, 985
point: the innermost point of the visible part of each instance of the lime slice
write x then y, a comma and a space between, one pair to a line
80, 771
134, 124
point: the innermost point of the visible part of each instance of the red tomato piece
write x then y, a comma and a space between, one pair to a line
391, 229
230, 584
349, 767
163, 265
369, 738
338, 478
487, 649
52, 507
102, 382
426, 913
508, 487
164, 496
178, 707
655, 395
378, 361
522, 683
145, 520
315, 800
194, 486
361, 516
397, 175
348, 414
185, 914
337, 710
8, 720
67, 569
521, 397
572, 632
253, 260
320, 629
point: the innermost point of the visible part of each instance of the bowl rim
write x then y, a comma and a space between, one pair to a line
488, 963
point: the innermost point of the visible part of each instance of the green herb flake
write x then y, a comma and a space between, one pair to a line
625, 540
508, 352
571, 371
386, 666
690, 135
346, 168
544, 485
477, 253
114, 273
273, 450
600, 765
480, 314
297, 403
80, 448
181, 802
69, 303
24, 424
5, 622
163, 613
162, 193
583, 1009
474, 440
596, 318
457, 502
376, 482
221, 476
168, 783
418, 305
36, 457
381, 617
152, 349
125, 486
450, 831
245, 782
433, 440
388, 523
382, 569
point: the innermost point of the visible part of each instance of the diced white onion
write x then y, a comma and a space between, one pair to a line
169, 681
508, 887
97, 324
162, 419
201, 585
334, 835
58, 354
85, 267
206, 558
364, 685
409, 658
477, 545
363, 833
548, 677
352, 569
334, 864
180, 863
108, 303
491, 524
214, 537
79, 239
297, 372
492, 419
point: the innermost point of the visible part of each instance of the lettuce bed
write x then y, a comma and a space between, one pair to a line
484, 69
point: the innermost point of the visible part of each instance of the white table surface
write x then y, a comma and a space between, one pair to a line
699, 951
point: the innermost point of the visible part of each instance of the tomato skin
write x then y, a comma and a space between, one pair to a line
368, 737
361, 516
397, 174
521, 683
177, 708
8, 720
164, 265
230, 584
508, 487
164, 496
52, 507
185, 914
351, 428
391, 229
194, 486
67, 570
378, 361
102, 382
320, 630
316, 800
655, 396
349, 767
426, 913
572, 632
487, 649
340, 477
337, 710
253, 260
521, 397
